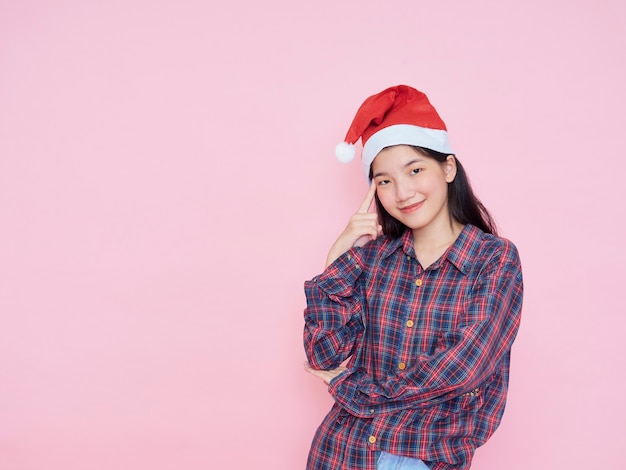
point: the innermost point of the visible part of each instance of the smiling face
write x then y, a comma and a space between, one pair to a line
413, 187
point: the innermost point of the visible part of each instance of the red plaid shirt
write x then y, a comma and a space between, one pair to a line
429, 349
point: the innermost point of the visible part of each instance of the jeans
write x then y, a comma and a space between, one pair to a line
388, 461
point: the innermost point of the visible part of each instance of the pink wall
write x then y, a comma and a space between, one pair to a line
167, 182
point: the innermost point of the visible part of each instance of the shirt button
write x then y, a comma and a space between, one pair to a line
402, 366
372, 439
418, 282
410, 323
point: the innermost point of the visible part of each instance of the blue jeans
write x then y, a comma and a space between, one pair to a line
388, 461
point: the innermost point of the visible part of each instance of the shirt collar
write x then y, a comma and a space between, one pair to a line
459, 253
464, 249
404, 242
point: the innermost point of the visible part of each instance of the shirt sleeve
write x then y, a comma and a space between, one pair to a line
468, 355
334, 313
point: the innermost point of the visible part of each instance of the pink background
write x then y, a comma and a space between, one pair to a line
167, 183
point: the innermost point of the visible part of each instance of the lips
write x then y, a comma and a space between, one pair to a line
411, 208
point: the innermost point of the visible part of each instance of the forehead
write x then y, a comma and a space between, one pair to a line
398, 155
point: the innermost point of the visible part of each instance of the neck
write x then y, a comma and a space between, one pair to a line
432, 241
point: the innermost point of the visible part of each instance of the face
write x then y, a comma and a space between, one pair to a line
413, 187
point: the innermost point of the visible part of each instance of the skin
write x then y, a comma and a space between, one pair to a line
325, 375
362, 227
413, 188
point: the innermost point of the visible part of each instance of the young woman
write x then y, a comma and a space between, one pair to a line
422, 298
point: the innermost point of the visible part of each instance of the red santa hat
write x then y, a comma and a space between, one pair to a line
399, 115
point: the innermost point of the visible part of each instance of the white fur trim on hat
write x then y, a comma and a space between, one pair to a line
404, 134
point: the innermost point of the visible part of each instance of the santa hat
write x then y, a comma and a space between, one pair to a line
399, 115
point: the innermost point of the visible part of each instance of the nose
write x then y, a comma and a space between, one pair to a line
404, 191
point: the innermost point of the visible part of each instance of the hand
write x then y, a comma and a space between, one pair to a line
325, 375
362, 228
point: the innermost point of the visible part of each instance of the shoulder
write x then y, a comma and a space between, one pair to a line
498, 246
484, 249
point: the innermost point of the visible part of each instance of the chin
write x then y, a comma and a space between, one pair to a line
412, 222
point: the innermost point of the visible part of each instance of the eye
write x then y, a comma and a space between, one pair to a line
382, 182
415, 171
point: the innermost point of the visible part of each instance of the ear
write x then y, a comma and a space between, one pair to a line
449, 168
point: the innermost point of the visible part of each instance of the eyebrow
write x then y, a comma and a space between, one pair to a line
383, 173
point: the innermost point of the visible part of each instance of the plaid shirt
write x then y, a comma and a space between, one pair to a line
429, 349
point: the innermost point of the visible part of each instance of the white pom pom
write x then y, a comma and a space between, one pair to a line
344, 152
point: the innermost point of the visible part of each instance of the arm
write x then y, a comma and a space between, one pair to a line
333, 317
468, 355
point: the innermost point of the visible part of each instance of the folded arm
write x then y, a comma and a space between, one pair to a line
467, 355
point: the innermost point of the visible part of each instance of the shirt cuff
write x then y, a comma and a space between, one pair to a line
339, 278
344, 388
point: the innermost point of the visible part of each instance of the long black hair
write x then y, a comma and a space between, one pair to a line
463, 205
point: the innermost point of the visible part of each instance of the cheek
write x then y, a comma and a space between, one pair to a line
435, 186
386, 199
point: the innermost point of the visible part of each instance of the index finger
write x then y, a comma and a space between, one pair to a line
369, 197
